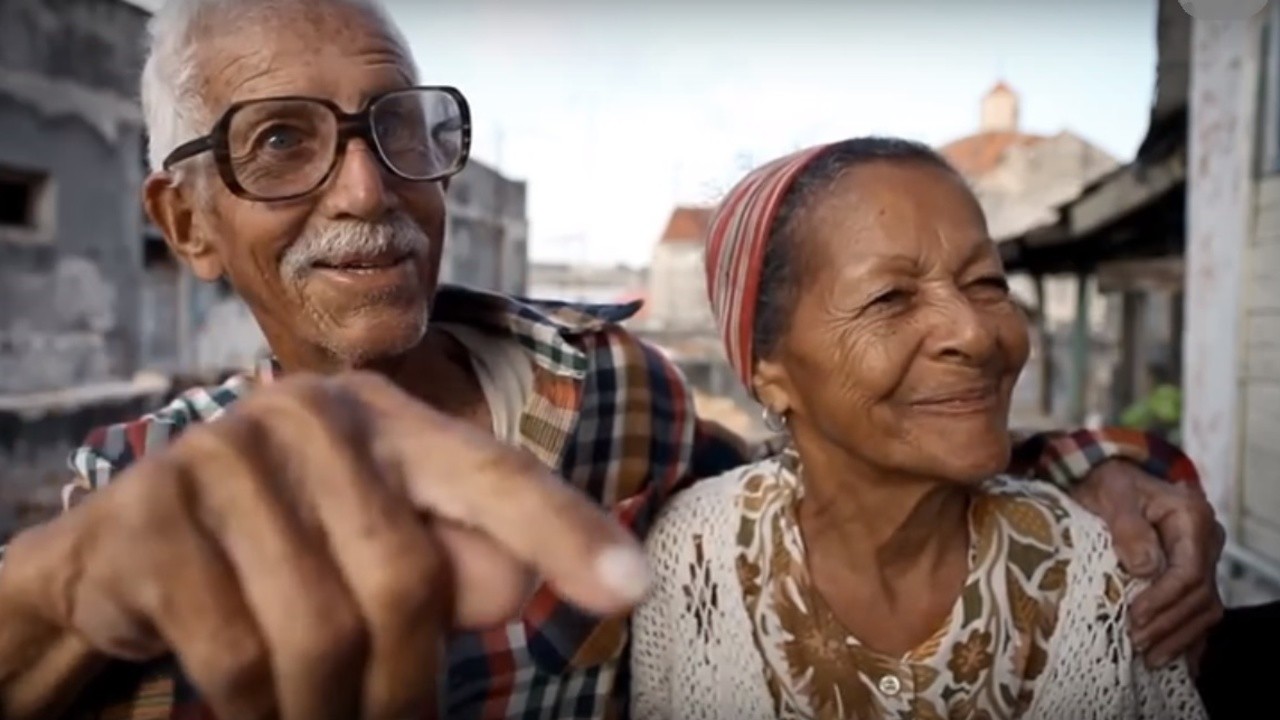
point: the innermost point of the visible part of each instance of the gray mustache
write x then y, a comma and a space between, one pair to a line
331, 241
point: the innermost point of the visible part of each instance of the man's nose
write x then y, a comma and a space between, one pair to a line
359, 189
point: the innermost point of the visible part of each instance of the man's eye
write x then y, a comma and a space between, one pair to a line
451, 125
280, 138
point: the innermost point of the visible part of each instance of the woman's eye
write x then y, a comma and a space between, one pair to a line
889, 297
995, 284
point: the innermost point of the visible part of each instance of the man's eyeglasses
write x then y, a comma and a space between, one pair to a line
284, 148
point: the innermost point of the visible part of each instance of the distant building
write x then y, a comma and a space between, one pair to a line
677, 280
488, 234
586, 283
71, 266
1020, 178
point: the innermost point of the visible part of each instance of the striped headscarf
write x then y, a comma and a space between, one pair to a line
735, 253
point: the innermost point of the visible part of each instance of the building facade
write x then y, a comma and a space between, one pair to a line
588, 283
71, 169
488, 233
677, 280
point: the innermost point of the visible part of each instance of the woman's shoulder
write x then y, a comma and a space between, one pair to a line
1044, 513
696, 528
707, 503
1012, 494
1077, 535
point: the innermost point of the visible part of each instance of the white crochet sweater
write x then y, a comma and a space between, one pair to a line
681, 671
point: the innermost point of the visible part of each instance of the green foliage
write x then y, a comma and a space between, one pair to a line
1159, 412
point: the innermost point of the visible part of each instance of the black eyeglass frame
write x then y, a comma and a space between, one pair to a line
358, 124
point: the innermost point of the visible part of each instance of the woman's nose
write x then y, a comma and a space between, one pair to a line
959, 330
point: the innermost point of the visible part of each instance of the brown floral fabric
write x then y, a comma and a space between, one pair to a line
983, 662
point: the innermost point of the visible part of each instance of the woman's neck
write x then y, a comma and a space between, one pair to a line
883, 526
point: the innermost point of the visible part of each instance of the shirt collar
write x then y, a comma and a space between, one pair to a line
546, 329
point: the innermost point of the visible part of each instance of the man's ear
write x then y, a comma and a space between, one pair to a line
172, 208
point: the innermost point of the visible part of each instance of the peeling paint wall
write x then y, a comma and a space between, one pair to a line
69, 302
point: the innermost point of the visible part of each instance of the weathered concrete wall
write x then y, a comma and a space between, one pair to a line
487, 245
91, 43
68, 309
69, 301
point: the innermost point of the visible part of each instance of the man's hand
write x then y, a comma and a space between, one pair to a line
1167, 533
305, 555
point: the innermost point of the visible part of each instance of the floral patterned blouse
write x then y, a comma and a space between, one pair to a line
737, 629
983, 662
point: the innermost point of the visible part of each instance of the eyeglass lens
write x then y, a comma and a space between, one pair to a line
282, 148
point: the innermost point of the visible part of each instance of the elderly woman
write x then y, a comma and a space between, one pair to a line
880, 567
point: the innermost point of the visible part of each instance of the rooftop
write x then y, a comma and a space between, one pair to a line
688, 223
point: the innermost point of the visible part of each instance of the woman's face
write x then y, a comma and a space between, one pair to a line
905, 344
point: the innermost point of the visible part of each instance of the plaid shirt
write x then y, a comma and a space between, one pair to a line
617, 419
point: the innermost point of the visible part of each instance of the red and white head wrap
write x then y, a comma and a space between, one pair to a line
735, 253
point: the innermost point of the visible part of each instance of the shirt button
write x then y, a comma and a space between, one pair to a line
890, 685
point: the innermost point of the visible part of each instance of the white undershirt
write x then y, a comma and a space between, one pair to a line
505, 374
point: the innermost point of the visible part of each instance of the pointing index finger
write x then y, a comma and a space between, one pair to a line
459, 473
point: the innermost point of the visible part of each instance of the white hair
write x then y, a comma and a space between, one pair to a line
172, 105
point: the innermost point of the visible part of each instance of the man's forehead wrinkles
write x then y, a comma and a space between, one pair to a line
231, 72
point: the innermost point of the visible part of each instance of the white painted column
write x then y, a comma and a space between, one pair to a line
1223, 100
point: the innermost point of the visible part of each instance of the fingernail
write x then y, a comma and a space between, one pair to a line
624, 571
1160, 661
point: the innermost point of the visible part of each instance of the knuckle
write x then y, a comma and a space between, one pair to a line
234, 436
302, 395
237, 667
310, 413
148, 501
1188, 582
403, 593
328, 629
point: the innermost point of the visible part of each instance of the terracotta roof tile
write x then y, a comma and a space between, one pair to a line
687, 224
979, 154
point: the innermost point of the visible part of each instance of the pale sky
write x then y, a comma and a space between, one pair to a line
614, 111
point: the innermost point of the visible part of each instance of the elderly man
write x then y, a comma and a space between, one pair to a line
389, 485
